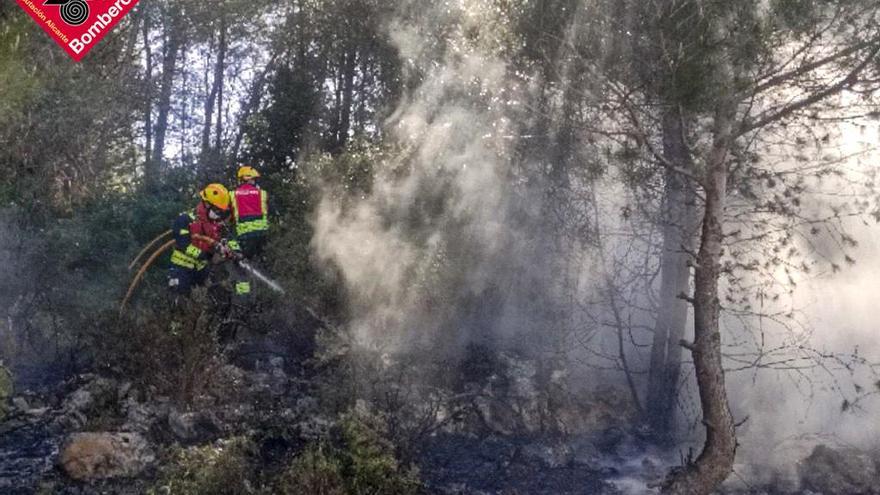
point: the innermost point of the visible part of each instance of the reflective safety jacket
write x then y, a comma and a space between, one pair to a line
250, 207
188, 252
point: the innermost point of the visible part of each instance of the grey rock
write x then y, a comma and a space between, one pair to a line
585, 452
21, 404
276, 362
124, 391
140, 417
98, 456
840, 472
194, 426
550, 455
97, 394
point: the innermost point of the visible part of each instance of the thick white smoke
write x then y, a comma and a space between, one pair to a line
451, 247
436, 249
832, 397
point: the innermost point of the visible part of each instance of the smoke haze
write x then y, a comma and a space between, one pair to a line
438, 248
453, 246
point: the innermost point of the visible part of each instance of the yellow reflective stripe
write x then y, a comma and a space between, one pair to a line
193, 251
184, 231
242, 288
179, 258
260, 225
234, 245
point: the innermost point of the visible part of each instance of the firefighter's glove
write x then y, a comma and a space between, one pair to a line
236, 250
224, 250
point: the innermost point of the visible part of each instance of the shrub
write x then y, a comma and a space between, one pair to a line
313, 472
5, 390
359, 460
221, 469
63, 277
369, 462
172, 351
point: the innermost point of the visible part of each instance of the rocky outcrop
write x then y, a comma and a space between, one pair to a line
840, 472
99, 456
515, 426
194, 427
97, 396
44, 431
520, 398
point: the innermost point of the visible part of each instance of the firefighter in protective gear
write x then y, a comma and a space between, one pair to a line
250, 210
190, 256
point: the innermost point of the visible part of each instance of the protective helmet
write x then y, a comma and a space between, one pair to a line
247, 173
216, 195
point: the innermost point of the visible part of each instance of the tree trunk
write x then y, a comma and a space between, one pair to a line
184, 113
173, 41
252, 104
715, 462
678, 234
210, 165
219, 77
348, 71
209, 116
148, 96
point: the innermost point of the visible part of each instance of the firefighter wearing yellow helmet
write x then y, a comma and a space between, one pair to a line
197, 234
250, 212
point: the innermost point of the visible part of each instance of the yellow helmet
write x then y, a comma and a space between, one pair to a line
216, 195
247, 173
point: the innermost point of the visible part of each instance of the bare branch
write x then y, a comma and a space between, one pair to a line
817, 64
805, 102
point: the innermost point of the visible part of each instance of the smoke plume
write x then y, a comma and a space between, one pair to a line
447, 248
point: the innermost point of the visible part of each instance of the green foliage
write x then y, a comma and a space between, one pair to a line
349, 175
797, 15
276, 135
361, 461
309, 86
64, 276
355, 460
312, 472
6, 390
685, 44
18, 81
533, 21
65, 126
369, 464
222, 469
346, 42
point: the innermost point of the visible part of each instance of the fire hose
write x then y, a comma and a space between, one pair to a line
152, 259
147, 248
168, 245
